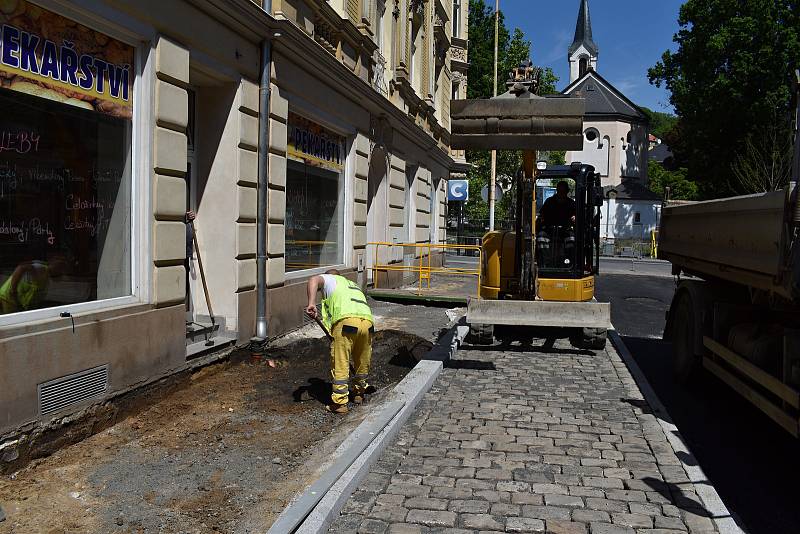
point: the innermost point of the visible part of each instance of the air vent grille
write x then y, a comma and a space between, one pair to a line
67, 391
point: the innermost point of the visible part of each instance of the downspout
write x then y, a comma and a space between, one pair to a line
263, 183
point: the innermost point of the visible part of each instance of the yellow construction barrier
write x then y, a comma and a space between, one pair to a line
310, 247
422, 265
654, 244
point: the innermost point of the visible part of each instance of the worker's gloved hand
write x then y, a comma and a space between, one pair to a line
311, 311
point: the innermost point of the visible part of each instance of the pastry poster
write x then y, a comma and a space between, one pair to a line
49, 56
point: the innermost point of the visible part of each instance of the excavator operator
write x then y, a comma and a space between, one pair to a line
558, 210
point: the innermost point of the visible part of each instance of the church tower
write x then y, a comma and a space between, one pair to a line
583, 51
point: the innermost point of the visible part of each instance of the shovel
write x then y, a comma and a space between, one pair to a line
330, 338
324, 328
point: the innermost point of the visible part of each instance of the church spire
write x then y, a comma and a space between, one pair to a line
583, 51
583, 32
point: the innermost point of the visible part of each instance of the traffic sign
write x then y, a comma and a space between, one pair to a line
498, 193
458, 190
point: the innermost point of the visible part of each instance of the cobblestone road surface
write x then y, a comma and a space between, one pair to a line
528, 441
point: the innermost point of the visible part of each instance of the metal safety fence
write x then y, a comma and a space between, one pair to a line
427, 260
630, 248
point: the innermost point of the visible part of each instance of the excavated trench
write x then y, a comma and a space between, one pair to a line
223, 451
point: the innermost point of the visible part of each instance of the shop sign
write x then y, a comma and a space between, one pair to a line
314, 144
458, 190
49, 56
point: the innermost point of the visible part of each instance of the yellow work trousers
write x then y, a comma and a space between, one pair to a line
352, 338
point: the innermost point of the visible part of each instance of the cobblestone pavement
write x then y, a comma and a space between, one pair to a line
513, 441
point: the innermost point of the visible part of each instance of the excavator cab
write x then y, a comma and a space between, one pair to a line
568, 247
544, 286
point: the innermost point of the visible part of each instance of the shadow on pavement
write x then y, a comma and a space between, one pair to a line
526, 348
751, 461
640, 404
473, 365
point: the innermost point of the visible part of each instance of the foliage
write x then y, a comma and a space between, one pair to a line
481, 50
547, 82
556, 157
660, 123
680, 186
765, 163
513, 48
730, 78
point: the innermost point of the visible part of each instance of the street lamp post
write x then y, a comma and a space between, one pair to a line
493, 178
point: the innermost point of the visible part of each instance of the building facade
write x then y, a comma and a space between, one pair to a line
630, 212
120, 117
383, 91
615, 129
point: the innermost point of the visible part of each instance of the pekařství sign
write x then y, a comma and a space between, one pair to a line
314, 145
46, 55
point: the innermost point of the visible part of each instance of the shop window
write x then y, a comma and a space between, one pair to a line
314, 196
65, 165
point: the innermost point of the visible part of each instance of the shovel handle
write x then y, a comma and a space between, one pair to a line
324, 329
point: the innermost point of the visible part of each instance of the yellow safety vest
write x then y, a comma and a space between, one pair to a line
30, 289
347, 300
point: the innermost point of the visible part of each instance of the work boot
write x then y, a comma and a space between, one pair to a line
340, 409
359, 398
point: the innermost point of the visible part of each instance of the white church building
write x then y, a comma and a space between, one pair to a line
615, 141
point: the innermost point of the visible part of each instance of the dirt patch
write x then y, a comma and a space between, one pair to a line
224, 452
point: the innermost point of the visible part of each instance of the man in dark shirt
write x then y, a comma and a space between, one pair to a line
558, 210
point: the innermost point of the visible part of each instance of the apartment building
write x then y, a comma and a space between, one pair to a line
121, 116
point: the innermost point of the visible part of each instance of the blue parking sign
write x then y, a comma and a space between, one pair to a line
458, 190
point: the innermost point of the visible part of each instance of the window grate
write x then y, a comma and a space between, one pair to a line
71, 390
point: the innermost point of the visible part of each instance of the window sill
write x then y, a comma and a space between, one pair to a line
305, 274
37, 321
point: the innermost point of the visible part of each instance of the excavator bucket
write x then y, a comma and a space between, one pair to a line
591, 314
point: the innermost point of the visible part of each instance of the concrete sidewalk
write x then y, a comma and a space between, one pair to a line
529, 441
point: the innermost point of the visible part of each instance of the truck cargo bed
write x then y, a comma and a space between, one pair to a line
740, 239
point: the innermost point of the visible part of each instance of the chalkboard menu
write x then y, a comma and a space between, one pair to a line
64, 201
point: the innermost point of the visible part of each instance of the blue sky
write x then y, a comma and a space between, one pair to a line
631, 35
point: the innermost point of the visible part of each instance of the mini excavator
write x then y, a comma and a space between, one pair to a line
537, 281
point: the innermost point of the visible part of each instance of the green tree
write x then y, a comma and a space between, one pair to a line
680, 186
513, 48
729, 79
661, 124
481, 51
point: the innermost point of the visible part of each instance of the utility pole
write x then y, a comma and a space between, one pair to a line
493, 178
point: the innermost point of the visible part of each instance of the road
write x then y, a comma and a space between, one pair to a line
629, 266
753, 463
635, 267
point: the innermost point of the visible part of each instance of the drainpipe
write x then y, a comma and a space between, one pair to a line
263, 181
795, 183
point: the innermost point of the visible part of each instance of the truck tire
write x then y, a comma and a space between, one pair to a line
589, 339
480, 334
685, 362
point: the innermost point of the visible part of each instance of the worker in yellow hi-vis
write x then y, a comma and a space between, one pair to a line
347, 317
